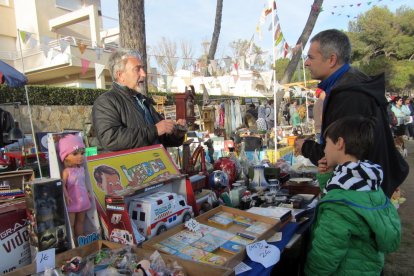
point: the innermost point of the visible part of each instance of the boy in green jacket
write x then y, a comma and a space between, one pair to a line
355, 223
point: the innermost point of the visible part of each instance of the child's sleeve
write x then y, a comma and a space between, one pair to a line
330, 242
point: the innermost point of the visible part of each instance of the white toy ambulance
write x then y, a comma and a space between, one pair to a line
157, 212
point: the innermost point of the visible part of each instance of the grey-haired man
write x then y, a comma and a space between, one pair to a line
124, 118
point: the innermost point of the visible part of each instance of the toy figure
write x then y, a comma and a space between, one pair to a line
46, 207
71, 153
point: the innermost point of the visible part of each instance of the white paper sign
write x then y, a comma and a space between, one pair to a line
241, 267
45, 260
263, 253
192, 225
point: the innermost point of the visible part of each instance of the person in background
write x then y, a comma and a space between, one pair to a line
252, 111
317, 113
270, 115
355, 224
294, 114
409, 127
123, 117
261, 120
351, 92
401, 112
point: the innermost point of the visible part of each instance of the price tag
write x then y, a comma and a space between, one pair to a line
192, 225
45, 260
263, 253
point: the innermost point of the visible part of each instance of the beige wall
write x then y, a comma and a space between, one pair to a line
7, 15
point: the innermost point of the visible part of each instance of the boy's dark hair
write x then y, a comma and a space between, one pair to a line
357, 132
97, 173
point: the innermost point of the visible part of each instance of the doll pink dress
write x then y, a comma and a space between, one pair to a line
77, 191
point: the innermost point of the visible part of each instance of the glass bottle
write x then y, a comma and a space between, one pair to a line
259, 182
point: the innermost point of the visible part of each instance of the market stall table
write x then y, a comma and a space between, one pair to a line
15, 156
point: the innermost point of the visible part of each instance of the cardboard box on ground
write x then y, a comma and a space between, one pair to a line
14, 234
133, 174
92, 228
191, 268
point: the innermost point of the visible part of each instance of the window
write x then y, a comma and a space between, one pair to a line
134, 215
142, 216
182, 202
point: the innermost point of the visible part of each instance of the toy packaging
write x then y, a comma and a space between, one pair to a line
91, 228
48, 219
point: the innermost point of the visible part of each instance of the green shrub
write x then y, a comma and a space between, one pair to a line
54, 95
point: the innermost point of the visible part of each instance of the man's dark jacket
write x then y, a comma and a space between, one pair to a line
120, 125
358, 94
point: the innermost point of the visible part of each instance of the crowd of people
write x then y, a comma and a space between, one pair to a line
401, 115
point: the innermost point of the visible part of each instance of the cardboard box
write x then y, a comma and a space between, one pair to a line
191, 268
14, 236
232, 259
92, 230
49, 222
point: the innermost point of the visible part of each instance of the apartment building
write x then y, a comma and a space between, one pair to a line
55, 42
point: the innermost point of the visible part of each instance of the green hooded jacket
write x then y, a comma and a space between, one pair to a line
351, 233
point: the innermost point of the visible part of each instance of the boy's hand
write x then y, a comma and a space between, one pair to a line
323, 166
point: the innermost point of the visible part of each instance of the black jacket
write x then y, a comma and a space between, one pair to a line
120, 125
357, 94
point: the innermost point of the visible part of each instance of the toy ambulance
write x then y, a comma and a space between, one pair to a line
155, 213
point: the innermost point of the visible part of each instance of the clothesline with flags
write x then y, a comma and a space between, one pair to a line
60, 45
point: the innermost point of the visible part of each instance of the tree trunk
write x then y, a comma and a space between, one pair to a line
216, 32
304, 37
132, 29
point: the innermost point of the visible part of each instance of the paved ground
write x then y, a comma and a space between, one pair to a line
402, 261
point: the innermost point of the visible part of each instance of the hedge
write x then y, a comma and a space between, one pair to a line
54, 95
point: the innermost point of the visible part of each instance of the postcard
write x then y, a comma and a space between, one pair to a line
231, 247
241, 240
243, 220
209, 243
186, 236
222, 234
221, 221
258, 227
164, 249
193, 252
173, 244
214, 259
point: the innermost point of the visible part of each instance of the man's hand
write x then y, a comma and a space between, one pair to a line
298, 146
165, 127
182, 122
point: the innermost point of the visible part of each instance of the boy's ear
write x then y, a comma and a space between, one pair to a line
340, 144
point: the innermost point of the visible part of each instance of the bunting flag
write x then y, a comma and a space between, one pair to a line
63, 45
99, 68
25, 36
32, 42
98, 52
85, 65
81, 47
267, 78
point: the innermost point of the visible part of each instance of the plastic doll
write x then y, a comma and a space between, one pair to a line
71, 153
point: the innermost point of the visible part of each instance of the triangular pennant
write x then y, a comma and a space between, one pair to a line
32, 43
279, 39
99, 68
81, 47
98, 52
45, 49
227, 62
267, 78
85, 65
25, 36
63, 45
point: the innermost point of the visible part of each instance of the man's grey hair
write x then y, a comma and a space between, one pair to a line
118, 59
334, 42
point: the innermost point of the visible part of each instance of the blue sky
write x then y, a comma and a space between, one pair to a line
193, 20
